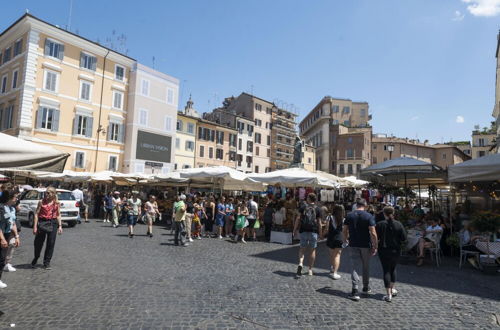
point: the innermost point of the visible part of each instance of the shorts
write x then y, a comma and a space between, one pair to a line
308, 240
131, 220
149, 218
84, 208
251, 223
219, 221
334, 244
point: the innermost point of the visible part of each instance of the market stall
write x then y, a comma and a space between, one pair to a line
19, 154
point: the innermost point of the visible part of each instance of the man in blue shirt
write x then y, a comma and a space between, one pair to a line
361, 236
108, 207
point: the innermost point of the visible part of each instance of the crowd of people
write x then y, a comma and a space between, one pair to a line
363, 232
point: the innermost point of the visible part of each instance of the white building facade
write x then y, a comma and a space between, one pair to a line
151, 121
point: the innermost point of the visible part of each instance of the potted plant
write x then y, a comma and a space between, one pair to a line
486, 222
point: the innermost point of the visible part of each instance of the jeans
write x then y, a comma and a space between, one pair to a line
49, 248
389, 260
360, 261
179, 227
9, 251
267, 230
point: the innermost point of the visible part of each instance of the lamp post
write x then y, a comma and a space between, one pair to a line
390, 148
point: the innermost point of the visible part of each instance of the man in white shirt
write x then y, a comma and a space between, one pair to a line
78, 195
429, 240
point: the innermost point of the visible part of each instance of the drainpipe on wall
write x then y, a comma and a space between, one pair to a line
99, 127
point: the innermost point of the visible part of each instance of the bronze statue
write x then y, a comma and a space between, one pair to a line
297, 152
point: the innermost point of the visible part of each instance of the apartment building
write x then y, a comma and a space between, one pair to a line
309, 158
283, 134
215, 145
151, 116
484, 141
496, 108
464, 146
62, 90
185, 142
245, 136
339, 131
260, 112
350, 149
443, 155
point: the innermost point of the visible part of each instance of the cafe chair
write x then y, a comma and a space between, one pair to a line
436, 251
464, 253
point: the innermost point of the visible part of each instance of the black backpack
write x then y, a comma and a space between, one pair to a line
308, 222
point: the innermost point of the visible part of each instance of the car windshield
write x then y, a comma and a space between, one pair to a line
63, 196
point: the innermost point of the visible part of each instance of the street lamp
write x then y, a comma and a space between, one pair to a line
390, 148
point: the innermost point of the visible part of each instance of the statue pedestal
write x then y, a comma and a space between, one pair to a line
297, 165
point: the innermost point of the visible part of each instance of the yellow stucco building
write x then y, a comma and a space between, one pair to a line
61, 90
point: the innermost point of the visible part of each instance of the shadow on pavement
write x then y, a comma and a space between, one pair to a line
447, 277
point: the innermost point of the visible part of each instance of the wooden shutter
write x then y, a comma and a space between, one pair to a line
75, 125
47, 47
39, 115
90, 124
55, 120
121, 133
60, 55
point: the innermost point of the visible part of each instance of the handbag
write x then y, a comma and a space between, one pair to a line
45, 226
257, 224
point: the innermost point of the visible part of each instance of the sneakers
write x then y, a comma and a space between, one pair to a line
299, 271
190, 239
185, 244
394, 292
367, 290
310, 272
47, 267
33, 263
2, 285
387, 299
243, 241
198, 237
220, 237
354, 295
335, 276
9, 268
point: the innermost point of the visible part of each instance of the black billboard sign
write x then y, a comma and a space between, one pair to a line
153, 147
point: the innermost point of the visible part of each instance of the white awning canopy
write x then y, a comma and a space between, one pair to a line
485, 168
295, 177
225, 177
19, 154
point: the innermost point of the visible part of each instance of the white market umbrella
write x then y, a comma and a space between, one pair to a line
225, 177
19, 154
485, 168
294, 177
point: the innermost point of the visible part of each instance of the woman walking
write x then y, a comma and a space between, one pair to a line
391, 234
189, 217
229, 217
47, 224
197, 216
241, 220
151, 214
9, 236
210, 213
335, 239
220, 216
133, 210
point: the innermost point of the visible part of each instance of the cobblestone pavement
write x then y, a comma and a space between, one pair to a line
101, 279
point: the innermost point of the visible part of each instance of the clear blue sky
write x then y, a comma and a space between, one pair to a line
419, 63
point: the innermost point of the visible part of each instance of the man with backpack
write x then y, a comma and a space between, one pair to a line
308, 224
361, 236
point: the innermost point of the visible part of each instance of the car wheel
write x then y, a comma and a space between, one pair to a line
71, 223
31, 220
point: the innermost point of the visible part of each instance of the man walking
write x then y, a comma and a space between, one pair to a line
77, 193
359, 232
308, 223
180, 217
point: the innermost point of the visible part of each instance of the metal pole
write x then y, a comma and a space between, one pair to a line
419, 195
406, 190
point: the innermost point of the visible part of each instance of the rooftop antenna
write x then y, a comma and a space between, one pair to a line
70, 14
27, 11
153, 62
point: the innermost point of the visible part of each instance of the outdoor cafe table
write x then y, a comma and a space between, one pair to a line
489, 248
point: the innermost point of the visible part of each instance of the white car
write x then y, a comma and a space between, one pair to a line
28, 203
